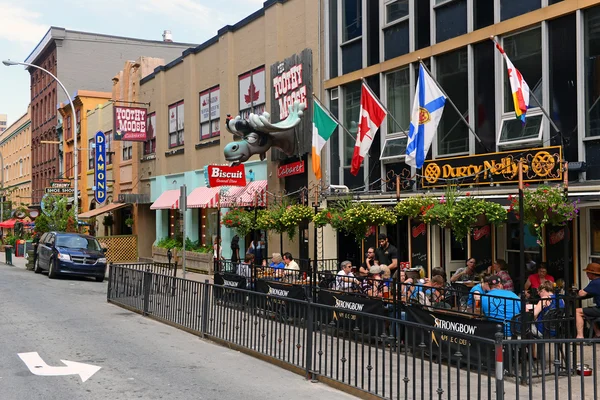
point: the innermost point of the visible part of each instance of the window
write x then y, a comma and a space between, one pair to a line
69, 134
333, 39
351, 35
176, 126
453, 133
595, 230
334, 141
525, 52
483, 14
395, 32
150, 143
210, 112
592, 72
69, 164
92, 154
127, 148
398, 99
393, 148
485, 100
351, 111
450, 19
514, 8
78, 114
252, 92
109, 153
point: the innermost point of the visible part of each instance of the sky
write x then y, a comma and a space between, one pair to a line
24, 23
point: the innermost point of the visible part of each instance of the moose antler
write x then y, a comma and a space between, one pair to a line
262, 122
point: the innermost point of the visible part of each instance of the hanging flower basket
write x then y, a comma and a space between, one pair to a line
480, 220
414, 207
329, 216
545, 205
239, 220
359, 217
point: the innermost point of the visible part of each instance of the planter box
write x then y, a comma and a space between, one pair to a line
196, 262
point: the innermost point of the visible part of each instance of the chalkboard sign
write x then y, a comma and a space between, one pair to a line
418, 240
481, 247
555, 250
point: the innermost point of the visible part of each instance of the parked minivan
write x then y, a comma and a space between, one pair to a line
70, 254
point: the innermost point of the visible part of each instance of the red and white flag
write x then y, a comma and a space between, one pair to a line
372, 114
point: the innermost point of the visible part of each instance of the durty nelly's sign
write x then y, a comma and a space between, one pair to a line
130, 123
223, 175
295, 168
541, 164
100, 167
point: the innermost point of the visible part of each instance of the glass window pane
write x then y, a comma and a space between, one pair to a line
422, 17
485, 91
334, 145
398, 99
352, 19
525, 52
453, 134
592, 71
352, 57
595, 229
354, 182
458, 248
394, 148
333, 39
450, 20
484, 13
514, 8
592, 158
513, 129
351, 113
396, 40
396, 10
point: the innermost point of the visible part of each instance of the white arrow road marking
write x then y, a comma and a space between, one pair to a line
37, 366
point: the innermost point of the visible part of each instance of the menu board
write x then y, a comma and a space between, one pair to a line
418, 244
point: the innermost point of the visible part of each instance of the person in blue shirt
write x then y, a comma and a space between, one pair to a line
499, 304
480, 288
591, 290
547, 302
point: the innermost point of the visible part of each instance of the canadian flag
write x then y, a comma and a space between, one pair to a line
371, 116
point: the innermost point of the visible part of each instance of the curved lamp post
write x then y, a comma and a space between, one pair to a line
9, 63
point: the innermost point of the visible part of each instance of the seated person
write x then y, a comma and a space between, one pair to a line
591, 290
499, 304
363, 271
548, 301
245, 268
345, 280
429, 292
480, 288
374, 285
535, 280
466, 273
500, 267
276, 265
292, 269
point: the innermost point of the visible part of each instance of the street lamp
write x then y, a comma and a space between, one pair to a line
9, 63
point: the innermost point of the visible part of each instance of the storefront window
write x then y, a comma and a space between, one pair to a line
208, 226
485, 90
592, 71
453, 134
398, 99
514, 8
450, 19
458, 248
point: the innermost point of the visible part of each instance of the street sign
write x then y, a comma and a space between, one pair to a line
183, 198
37, 366
60, 191
100, 167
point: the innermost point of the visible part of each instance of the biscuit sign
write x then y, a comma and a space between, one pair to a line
223, 175
100, 167
130, 123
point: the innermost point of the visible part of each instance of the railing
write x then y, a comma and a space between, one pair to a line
120, 248
338, 339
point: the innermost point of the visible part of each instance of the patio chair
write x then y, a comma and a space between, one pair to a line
592, 321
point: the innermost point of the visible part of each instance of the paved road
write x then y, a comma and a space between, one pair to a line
69, 319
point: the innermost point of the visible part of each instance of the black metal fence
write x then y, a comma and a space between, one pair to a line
339, 340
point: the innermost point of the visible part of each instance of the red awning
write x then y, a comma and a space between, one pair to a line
169, 200
204, 197
231, 198
9, 223
255, 194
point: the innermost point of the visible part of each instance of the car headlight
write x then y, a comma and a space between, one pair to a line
101, 260
64, 257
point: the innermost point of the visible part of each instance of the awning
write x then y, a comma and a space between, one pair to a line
255, 194
204, 197
169, 200
9, 223
230, 199
97, 211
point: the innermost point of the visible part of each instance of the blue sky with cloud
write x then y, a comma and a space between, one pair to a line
23, 23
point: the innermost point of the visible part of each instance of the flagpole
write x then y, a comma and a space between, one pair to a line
382, 105
532, 94
454, 106
333, 116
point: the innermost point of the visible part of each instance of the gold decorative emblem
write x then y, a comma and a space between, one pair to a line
543, 163
424, 116
432, 172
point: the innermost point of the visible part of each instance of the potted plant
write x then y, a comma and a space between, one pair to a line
359, 217
415, 206
470, 212
129, 222
108, 220
331, 216
442, 213
239, 220
545, 205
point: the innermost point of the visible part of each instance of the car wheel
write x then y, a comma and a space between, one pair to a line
99, 279
36, 267
52, 271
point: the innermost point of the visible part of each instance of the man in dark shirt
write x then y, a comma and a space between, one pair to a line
591, 290
386, 254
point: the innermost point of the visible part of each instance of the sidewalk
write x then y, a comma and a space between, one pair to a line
18, 262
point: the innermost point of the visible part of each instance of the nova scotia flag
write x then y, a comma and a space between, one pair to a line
425, 117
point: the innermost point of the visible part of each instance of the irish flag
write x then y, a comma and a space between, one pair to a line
323, 127
518, 86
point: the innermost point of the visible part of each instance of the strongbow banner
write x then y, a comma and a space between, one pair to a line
130, 123
223, 175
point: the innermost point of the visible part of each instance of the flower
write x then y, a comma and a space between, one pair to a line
414, 206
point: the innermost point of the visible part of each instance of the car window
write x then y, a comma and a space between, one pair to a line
77, 242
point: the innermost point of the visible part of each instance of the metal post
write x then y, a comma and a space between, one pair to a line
183, 206
315, 266
567, 235
206, 287
499, 336
521, 227
74, 120
1, 187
